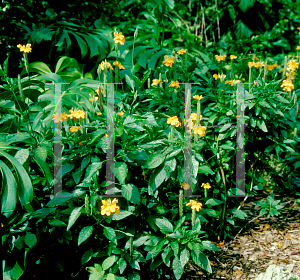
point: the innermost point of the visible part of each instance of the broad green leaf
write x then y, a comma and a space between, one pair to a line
242, 30
86, 256
164, 225
45, 169
74, 216
56, 223
205, 169
91, 170
110, 276
84, 234
30, 240
65, 62
25, 189
239, 214
82, 44
122, 265
110, 234
122, 215
8, 190
108, 262
154, 161
156, 179
140, 241
244, 5
59, 199
152, 62
41, 152
177, 268
77, 175
131, 193
261, 124
170, 3
39, 67
208, 245
184, 257
213, 202
130, 82
121, 171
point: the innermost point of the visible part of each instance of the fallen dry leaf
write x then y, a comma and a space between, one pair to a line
279, 244
267, 226
287, 237
238, 272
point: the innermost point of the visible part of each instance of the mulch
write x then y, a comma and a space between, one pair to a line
263, 242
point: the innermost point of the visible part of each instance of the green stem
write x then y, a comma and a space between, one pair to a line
180, 203
193, 216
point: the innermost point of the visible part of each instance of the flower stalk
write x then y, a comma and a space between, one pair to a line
180, 203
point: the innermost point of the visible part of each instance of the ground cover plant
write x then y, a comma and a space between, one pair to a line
152, 229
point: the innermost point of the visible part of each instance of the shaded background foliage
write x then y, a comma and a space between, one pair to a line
264, 25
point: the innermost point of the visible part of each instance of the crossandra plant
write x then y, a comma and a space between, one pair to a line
152, 227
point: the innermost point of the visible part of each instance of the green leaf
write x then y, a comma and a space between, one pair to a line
170, 3
56, 223
140, 241
122, 265
154, 161
121, 171
164, 225
91, 170
131, 193
30, 240
154, 58
242, 30
122, 215
244, 5
77, 175
39, 67
156, 179
108, 262
74, 216
205, 169
261, 124
82, 44
110, 276
130, 82
239, 214
86, 256
110, 234
7, 117
85, 161
177, 268
208, 245
25, 189
184, 257
144, 58
65, 62
45, 169
59, 199
84, 234
213, 202
8, 190
41, 152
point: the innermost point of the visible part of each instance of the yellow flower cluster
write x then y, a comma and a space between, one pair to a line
173, 121
287, 85
108, 65
255, 64
25, 49
198, 97
91, 99
174, 84
168, 61
118, 64
272, 66
220, 57
194, 205
232, 82
76, 114
298, 48
119, 38
107, 207
101, 91
74, 129
200, 130
59, 118
121, 113
155, 82
233, 57
205, 186
182, 51
185, 186
218, 76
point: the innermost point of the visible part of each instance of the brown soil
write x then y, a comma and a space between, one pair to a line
268, 241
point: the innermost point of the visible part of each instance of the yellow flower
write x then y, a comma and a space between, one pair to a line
205, 186
1, 225
194, 205
185, 186
287, 85
298, 48
25, 49
232, 82
174, 84
79, 114
118, 64
215, 76
74, 128
298, 27
121, 113
200, 130
155, 82
233, 57
119, 38
101, 91
59, 118
80, 143
108, 65
168, 61
99, 113
182, 51
107, 207
292, 65
243, 79
220, 57
105, 135
251, 64
173, 121
198, 97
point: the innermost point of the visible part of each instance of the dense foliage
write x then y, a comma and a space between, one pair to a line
177, 192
